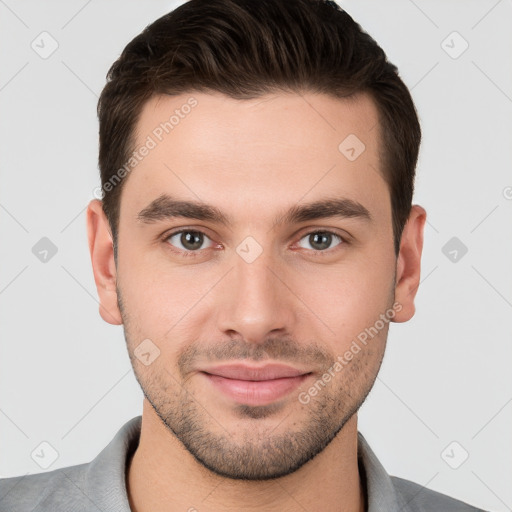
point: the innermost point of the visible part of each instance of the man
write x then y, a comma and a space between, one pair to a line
255, 239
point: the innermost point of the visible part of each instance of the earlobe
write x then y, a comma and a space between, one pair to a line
103, 264
409, 263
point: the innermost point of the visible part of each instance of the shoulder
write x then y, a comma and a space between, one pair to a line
55, 490
96, 485
417, 498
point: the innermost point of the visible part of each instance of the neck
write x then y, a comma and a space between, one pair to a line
163, 476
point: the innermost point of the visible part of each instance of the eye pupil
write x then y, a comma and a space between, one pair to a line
320, 240
191, 240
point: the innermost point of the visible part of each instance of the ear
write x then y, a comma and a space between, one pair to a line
409, 263
103, 264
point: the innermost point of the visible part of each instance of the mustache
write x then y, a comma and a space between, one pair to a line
280, 349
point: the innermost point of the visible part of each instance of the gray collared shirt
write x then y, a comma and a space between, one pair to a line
100, 485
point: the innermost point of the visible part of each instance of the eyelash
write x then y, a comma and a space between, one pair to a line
193, 254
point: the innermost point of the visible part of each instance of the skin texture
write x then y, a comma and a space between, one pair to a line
296, 303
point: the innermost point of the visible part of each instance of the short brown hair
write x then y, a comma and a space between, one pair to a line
245, 49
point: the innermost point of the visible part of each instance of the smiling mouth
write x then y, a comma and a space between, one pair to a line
251, 385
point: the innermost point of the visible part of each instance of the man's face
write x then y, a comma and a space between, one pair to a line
260, 287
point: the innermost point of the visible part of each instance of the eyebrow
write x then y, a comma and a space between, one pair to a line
166, 207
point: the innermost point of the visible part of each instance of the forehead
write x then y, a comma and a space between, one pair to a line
217, 122
277, 148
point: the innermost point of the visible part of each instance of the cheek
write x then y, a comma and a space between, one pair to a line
351, 297
159, 299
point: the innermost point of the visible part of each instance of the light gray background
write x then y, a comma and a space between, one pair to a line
65, 376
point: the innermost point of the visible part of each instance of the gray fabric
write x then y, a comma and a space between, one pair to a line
100, 485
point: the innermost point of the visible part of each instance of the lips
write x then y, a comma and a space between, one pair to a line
254, 373
253, 385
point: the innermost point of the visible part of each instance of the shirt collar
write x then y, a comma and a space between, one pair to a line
105, 477
380, 491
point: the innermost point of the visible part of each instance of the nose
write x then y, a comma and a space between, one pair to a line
256, 303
